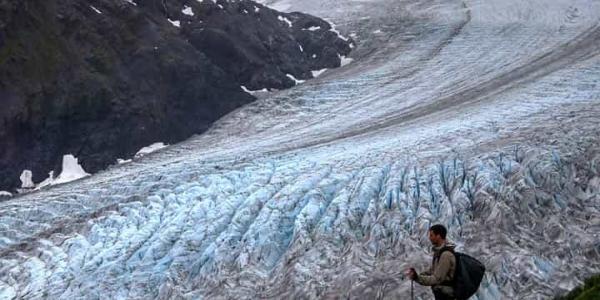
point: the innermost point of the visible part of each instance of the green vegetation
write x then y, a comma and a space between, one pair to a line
590, 290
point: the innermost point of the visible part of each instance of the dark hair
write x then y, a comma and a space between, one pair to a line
439, 229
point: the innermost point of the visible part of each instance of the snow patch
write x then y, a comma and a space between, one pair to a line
245, 89
131, 2
276, 5
312, 28
284, 19
297, 81
121, 161
175, 23
337, 32
187, 10
344, 60
265, 90
150, 149
95, 9
318, 72
5, 194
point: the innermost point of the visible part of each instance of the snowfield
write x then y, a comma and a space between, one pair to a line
481, 115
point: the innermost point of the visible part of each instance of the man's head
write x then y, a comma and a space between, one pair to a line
437, 234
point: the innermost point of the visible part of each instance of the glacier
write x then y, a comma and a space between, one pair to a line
480, 115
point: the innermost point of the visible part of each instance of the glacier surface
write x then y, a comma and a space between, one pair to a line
481, 115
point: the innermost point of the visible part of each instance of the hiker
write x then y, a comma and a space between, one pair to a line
441, 274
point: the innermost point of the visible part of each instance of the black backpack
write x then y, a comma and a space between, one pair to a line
467, 275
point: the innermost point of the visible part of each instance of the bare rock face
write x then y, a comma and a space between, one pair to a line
101, 79
260, 46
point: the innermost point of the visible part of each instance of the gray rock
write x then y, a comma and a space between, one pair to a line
101, 79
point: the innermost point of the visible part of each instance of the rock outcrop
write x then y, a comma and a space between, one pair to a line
101, 79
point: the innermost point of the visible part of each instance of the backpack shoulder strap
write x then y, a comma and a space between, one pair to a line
451, 250
444, 249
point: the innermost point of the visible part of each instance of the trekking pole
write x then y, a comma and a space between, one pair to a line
412, 290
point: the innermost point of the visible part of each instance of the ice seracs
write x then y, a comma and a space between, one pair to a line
71, 170
26, 179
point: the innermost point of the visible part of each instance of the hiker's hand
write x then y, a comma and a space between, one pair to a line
412, 274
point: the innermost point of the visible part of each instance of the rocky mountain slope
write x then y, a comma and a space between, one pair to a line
101, 79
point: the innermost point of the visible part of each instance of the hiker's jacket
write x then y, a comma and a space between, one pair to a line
441, 273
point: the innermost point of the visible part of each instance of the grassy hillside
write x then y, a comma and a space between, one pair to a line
590, 290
